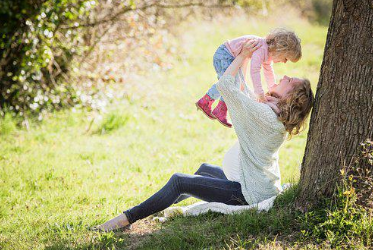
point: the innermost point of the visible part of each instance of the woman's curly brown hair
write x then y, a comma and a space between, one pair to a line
295, 107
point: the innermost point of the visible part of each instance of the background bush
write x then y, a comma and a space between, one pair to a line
36, 53
63, 53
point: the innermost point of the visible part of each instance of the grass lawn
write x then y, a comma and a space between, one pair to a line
57, 179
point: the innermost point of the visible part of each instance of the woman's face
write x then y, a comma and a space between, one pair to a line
285, 85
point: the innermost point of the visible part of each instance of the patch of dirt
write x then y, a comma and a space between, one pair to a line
141, 230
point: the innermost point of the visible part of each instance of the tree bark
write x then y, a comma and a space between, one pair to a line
342, 116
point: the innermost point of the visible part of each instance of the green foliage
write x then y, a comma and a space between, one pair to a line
112, 122
252, 4
38, 41
322, 10
341, 219
338, 223
318, 11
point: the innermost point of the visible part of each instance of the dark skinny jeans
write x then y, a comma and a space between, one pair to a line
209, 184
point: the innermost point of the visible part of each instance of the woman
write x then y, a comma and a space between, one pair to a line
250, 172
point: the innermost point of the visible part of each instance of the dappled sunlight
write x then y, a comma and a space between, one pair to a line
79, 168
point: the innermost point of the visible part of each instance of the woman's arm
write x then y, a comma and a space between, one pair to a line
242, 59
245, 112
247, 115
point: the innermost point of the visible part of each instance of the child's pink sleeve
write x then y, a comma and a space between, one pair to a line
256, 64
269, 74
235, 46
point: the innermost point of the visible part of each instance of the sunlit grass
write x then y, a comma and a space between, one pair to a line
66, 174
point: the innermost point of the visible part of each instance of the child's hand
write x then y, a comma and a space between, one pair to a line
261, 98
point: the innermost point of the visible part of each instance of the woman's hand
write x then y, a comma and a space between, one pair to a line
247, 50
272, 99
261, 98
272, 102
249, 47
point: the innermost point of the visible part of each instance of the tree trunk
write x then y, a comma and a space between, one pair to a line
342, 117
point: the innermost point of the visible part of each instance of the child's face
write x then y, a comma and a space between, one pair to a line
277, 58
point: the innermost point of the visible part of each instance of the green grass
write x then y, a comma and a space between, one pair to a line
7, 125
66, 173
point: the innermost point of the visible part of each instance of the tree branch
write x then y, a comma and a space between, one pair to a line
159, 5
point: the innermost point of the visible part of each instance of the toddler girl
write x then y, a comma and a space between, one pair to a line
280, 45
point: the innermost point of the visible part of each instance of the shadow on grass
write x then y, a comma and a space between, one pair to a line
250, 229
332, 224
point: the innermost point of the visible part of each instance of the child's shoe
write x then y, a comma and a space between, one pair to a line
205, 104
220, 113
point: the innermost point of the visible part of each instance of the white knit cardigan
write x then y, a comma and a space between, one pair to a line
260, 135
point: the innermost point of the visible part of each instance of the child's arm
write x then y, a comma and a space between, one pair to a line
256, 64
269, 74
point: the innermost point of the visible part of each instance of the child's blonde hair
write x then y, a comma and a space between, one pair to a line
284, 42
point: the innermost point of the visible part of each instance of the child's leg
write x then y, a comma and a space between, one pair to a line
225, 59
222, 59
213, 92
